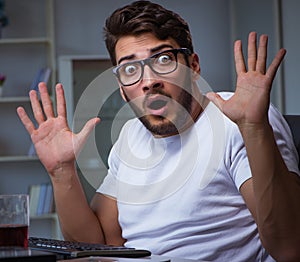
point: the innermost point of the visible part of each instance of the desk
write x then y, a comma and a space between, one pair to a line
18, 254
153, 258
26, 254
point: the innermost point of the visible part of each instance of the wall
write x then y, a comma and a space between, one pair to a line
215, 25
280, 20
79, 31
291, 41
261, 17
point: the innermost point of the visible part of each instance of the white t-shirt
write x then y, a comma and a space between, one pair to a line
179, 196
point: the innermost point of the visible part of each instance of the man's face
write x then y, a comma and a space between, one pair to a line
162, 102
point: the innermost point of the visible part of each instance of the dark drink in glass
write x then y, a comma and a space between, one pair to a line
14, 235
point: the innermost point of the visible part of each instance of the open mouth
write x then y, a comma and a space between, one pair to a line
157, 104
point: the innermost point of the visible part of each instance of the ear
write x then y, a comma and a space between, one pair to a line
195, 65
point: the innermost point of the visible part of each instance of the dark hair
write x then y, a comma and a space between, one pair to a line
143, 17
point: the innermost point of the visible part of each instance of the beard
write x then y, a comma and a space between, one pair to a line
161, 125
164, 126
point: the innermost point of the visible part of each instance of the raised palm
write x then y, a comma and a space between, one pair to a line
55, 144
250, 102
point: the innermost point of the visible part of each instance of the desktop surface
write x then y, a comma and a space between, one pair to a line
19, 254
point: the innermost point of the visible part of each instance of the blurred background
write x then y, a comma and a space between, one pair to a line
215, 25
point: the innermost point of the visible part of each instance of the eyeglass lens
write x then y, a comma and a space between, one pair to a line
162, 63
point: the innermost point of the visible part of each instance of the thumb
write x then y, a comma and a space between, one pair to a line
216, 99
83, 135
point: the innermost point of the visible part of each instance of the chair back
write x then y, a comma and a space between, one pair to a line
294, 123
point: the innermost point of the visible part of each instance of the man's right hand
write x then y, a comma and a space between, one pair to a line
56, 145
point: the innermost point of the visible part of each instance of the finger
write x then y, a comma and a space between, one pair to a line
252, 51
239, 58
46, 100
36, 107
275, 63
83, 135
61, 101
262, 54
216, 99
25, 120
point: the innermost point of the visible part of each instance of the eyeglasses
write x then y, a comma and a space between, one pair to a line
162, 63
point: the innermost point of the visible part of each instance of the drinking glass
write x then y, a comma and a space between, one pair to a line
14, 220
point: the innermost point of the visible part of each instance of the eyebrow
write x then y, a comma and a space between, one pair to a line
152, 50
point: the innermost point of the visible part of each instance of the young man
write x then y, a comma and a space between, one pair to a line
185, 179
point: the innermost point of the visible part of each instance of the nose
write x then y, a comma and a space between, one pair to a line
150, 80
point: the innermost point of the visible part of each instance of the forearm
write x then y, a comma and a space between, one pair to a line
276, 192
78, 222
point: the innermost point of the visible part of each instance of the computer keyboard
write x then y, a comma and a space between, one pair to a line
68, 249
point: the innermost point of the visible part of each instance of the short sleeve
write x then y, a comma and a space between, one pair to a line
237, 159
108, 186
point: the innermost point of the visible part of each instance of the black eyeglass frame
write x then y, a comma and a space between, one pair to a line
147, 61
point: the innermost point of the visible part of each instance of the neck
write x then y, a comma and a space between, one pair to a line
199, 102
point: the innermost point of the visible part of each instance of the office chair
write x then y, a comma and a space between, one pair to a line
294, 123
